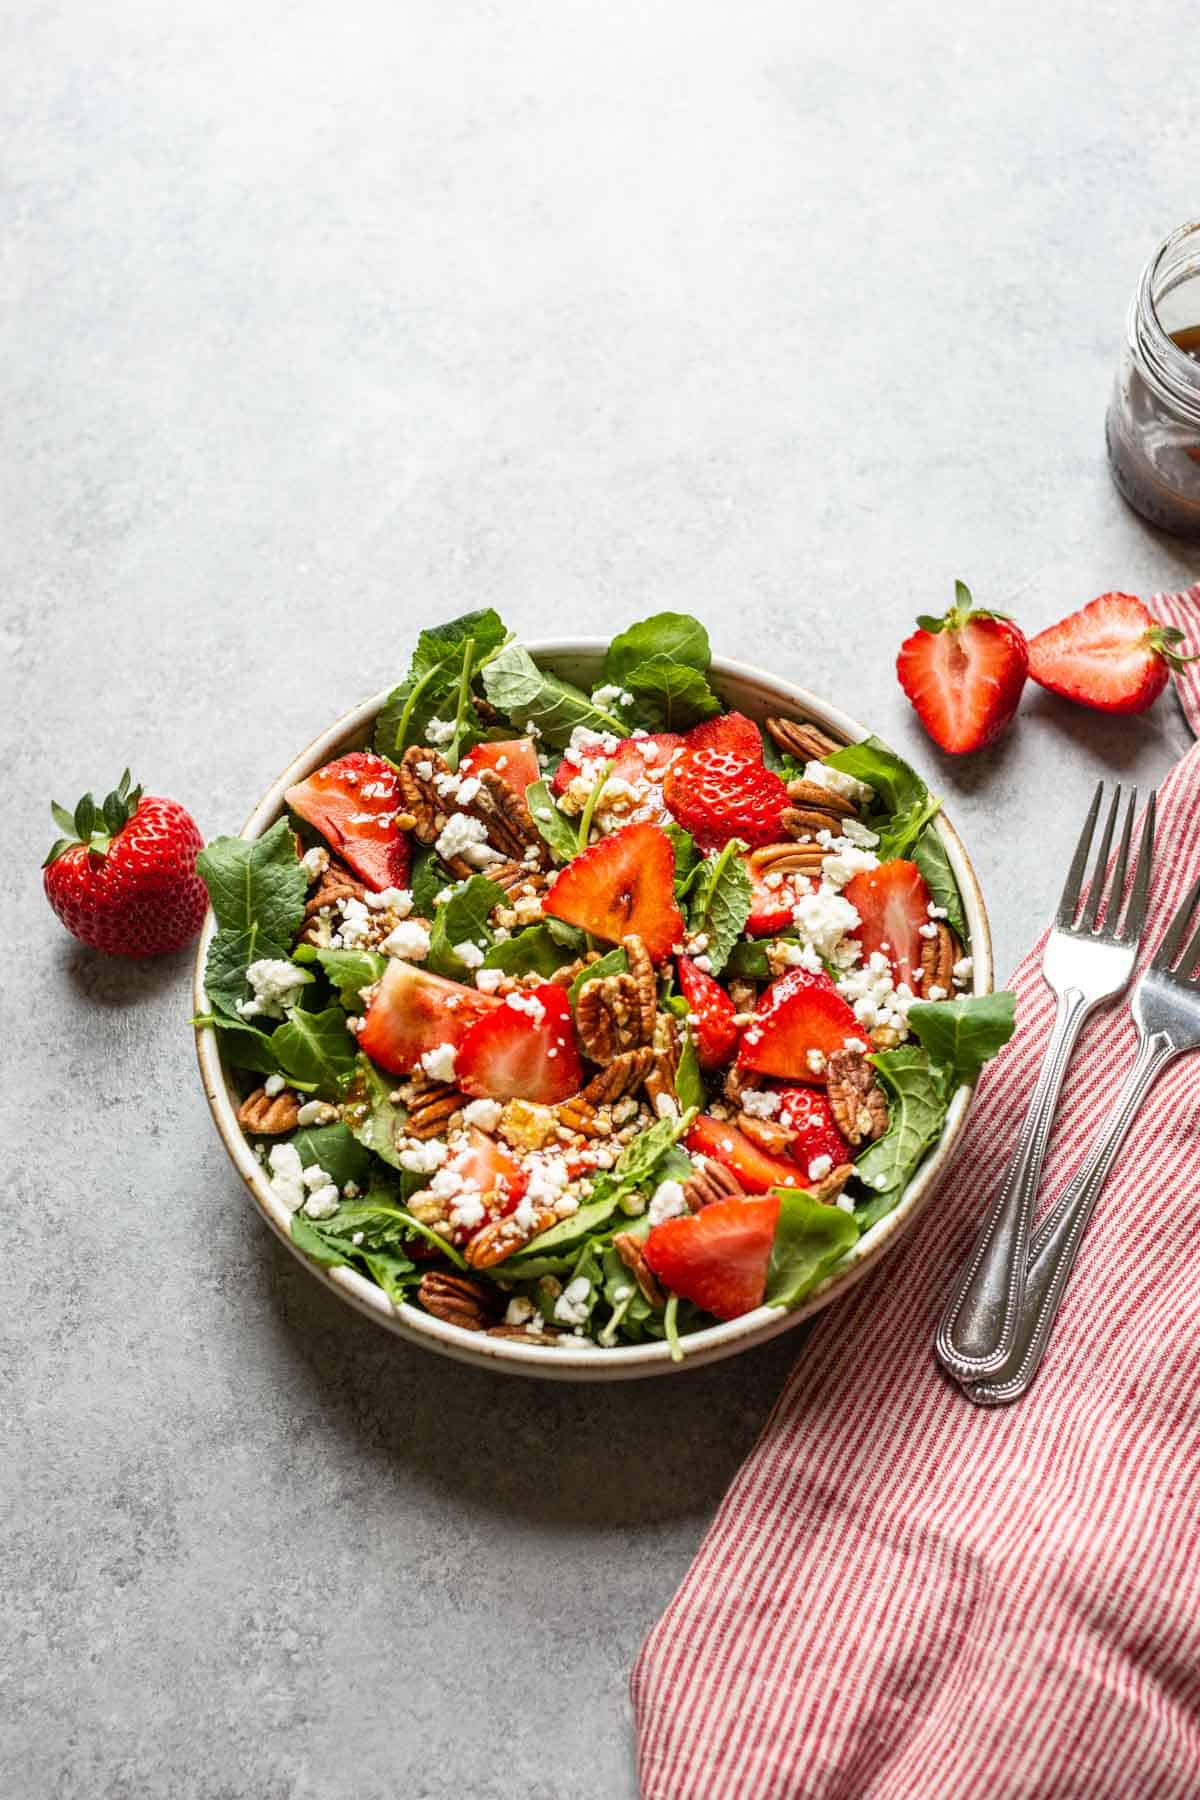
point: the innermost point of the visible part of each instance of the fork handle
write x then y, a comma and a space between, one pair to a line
978, 1326
1056, 1245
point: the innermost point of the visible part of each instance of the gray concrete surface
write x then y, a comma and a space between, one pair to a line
324, 321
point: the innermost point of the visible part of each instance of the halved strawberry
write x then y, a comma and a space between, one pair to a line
771, 905
964, 674
718, 1257
800, 1021
1112, 654
732, 732
757, 1170
633, 760
524, 1050
623, 885
499, 1177
412, 1012
892, 903
717, 794
712, 1014
808, 1113
352, 802
513, 759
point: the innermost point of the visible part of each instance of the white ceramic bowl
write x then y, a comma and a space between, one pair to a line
752, 692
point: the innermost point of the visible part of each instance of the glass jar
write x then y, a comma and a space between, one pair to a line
1153, 425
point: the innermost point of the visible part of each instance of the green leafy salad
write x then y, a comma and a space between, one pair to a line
604, 1014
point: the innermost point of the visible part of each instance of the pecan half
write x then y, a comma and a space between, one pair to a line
504, 1237
660, 1081
517, 878
565, 976
787, 859
510, 825
267, 1115
646, 982
769, 1136
459, 1300
336, 882
633, 1256
418, 791
431, 1106
807, 743
938, 957
624, 1075
579, 1115
711, 1181
608, 1017
831, 1185
815, 808
856, 1100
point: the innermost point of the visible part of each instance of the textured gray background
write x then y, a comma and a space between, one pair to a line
324, 321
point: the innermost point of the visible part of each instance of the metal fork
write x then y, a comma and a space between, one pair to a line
1166, 1011
1086, 962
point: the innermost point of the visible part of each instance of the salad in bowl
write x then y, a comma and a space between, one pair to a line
591, 1017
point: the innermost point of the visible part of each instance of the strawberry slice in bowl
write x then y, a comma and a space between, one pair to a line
634, 759
717, 1258
353, 804
712, 1014
513, 759
413, 1012
622, 886
757, 1170
800, 1021
717, 789
892, 903
524, 1049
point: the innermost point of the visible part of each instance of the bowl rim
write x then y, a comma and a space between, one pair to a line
589, 1362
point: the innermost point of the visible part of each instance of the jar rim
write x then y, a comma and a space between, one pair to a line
1171, 370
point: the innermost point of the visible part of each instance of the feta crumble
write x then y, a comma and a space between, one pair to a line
409, 940
469, 954
423, 1158
483, 1113
438, 1063
571, 1307
667, 1202
276, 986
439, 731
287, 1176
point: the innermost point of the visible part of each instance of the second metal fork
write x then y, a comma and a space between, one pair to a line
1085, 963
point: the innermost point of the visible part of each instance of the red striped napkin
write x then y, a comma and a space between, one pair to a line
904, 1595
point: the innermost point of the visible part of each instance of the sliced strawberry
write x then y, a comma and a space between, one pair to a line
712, 1014
412, 1012
717, 1258
513, 759
634, 760
757, 1170
800, 1021
808, 1113
732, 732
892, 903
1112, 655
964, 674
487, 1165
717, 794
771, 905
352, 802
622, 886
524, 1050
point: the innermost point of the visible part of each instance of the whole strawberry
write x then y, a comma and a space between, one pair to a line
964, 673
124, 880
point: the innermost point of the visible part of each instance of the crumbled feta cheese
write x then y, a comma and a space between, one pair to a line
548, 1176
528, 1004
322, 1202
856, 1044
858, 834
816, 1061
423, 1158
704, 964
314, 862
274, 1084
823, 918
584, 740
927, 931
483, 1113
819, 1167
936, 912
316, 1112
760, 1104
667, 1202
355, 923
409, 941
488, 980
838, 783
611, 694
964, 968
519, 1310
846, 860
468, 1211
425, 769
276, 986
287, 1176
439, 731
469, 954
465, 836
844, 1203
936, 993
666, 1106
438, 1063
397, 900
571, 1307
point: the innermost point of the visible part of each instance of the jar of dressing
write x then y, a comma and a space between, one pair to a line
1153, 424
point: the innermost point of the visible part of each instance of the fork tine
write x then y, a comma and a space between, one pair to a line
1116, 887
1135, 916
1092, 909
1189, 959
1065, 916
1169, 948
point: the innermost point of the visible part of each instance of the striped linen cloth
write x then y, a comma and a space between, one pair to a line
906, 1597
